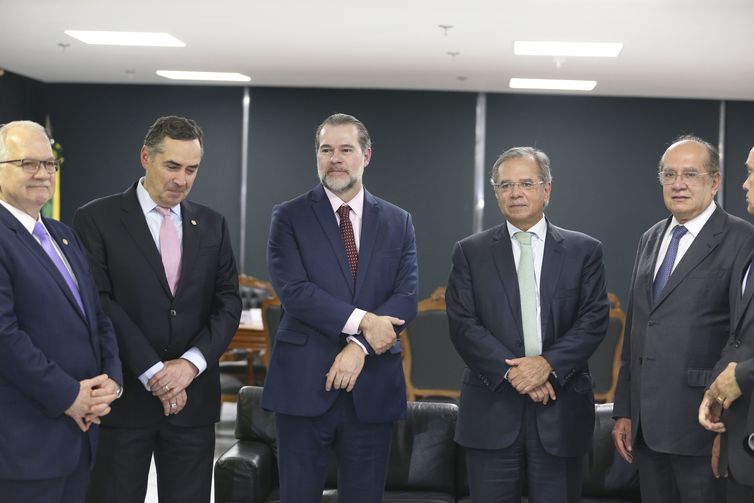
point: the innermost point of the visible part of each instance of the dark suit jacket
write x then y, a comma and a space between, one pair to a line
310, 273
151, 324
484, 313
739, 418
46, 347
672, 343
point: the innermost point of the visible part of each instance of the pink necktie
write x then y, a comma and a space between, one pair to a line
170, 248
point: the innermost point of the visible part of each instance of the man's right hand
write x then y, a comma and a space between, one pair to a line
622, 438
87, 405
710, 411
379, 331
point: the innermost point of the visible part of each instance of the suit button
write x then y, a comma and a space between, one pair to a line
651, 323
172, 312
738, 343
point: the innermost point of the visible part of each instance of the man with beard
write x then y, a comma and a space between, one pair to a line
344, 265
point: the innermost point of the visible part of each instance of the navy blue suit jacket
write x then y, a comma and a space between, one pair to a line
47, 347
484, 313
309, 271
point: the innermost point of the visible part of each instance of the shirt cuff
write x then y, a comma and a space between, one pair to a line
351, 338
352, 325
197, 358
151, 371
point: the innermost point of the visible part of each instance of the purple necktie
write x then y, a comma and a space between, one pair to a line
663, 273
170, 248
44, 239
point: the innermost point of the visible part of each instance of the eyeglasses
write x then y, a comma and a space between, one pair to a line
668, 176
31, 166
526, 185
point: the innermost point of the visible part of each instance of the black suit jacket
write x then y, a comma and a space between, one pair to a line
484, 312
151, 324
672, 343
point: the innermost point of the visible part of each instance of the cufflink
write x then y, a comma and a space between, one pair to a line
193, 222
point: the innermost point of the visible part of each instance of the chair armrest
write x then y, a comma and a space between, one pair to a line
243, 473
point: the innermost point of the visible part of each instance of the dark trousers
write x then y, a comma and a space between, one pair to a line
182, 456
738, 493
68, 489
306, 443
497, 475
672, 478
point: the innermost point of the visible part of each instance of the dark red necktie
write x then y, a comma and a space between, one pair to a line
346, 232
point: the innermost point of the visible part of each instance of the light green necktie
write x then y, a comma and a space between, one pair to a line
527, 290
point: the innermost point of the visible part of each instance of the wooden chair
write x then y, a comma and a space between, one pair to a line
604, 364
430, 362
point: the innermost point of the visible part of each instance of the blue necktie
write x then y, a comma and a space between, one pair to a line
44, 239
663, 274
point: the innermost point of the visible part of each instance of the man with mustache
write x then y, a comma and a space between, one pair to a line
167, 278
677, 323
344, 265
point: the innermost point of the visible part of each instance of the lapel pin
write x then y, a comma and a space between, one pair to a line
65, 241
193, 222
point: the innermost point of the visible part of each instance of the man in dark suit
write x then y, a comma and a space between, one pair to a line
732, 389
167, 278
527, 306
59, 366
344, 265
676, 326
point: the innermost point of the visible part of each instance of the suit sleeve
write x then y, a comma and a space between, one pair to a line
302, 298
213, 338
135, 349
572, 349
622, 405
482, 352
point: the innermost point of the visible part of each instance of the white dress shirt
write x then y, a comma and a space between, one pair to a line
539, 235
154, 221
693, 228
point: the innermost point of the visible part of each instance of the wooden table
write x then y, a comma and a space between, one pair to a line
253, 339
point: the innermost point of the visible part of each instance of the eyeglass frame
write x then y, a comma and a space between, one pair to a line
684, 175
530, 186
54, 163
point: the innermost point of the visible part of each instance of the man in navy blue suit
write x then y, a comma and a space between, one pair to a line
59, 366
344, 265
527, 306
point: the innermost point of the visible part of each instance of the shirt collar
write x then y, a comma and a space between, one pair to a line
538, 230
24, 218
147, 203
356, 204
694, 226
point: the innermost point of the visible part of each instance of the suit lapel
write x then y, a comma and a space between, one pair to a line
370, 227
646, 271
65, 247
135, 224
552, 263
502, 254
707, 240
190, 243
323, 211
742, 301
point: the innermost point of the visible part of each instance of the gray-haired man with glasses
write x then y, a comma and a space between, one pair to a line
59, 366
678, 321
527, 306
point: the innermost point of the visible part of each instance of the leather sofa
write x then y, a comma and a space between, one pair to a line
426, 466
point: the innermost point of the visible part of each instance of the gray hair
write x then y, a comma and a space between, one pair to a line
543, 162
5, 129
175, 128
365, 142
712, 164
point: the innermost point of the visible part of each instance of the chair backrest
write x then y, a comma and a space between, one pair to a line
253, 291
431, 363
604, 364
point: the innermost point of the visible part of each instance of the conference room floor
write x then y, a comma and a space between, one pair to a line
224, 439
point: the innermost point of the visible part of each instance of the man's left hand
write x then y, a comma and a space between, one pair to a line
725, 389
528, 373
346, 368
174, 377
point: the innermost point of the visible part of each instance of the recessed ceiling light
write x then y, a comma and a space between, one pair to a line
214, 76
578, 49
553, 84
135, 38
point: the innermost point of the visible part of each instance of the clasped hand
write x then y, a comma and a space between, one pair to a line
346, 368
379, 331
93, 401
529, 376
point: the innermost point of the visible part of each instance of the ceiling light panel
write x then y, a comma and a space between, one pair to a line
207, 76
553, 84
133, 38
574, 49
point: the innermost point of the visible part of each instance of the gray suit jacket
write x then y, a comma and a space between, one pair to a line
673, 342
739, 419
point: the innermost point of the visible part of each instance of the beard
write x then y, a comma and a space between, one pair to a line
340, 185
